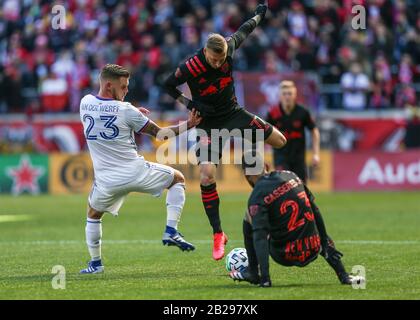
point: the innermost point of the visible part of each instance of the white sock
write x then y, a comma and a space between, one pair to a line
175, 199
93, 238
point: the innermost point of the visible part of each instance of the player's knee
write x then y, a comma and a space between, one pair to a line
207, 178
178, 177
93, 214
277, 139
207, 175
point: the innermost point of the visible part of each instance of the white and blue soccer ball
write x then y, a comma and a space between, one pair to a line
237, 260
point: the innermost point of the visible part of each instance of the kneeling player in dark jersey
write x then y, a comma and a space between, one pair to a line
282, 221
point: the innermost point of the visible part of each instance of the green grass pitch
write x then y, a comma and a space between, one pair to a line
379, 231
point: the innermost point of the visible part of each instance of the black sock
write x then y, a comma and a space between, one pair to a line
211, 203
249, 246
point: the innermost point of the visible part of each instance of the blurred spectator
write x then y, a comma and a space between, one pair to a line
355, 85
405, 96
382, 41
357, 42
297, 20
272, 62
64, 66
171, 49
12, 88
405, 73
412, 133
382, 84
54, 93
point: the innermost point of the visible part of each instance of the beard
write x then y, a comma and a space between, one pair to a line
114, 94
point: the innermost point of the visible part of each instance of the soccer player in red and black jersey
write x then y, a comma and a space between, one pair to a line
282, 221
208, 74
292, 119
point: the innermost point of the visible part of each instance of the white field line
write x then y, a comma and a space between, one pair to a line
14, 218
144, 241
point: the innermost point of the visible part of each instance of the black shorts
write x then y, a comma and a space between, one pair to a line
297, 166
241, 124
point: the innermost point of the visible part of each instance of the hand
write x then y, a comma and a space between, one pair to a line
144, 110
203, 110
315, 160
261, 10
333, 254
193, 119
330, 252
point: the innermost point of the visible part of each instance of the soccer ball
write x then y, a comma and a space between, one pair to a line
237, 260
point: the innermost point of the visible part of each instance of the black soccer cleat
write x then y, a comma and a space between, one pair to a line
244, 276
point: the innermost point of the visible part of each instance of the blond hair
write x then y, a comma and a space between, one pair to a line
114, 72
287, 84
216, 42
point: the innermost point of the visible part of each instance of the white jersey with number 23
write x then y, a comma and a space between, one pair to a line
109, 127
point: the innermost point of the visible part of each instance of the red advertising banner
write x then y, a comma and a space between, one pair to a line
41, 136
372, 133
376, 171
258, 91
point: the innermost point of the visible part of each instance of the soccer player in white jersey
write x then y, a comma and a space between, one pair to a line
109, 125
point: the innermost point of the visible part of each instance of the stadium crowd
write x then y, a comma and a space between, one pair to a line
43, 69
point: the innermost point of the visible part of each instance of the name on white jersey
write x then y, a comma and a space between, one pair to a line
100, 108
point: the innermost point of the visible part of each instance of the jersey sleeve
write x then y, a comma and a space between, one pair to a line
269, 118
231, 46
310, 195
236, 39
260, 225
189, 69
182, 73
135, 119
309, 121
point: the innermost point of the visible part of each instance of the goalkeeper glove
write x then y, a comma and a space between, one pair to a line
261, 10
330, 252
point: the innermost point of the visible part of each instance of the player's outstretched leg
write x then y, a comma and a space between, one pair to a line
93, 241
211, 203
175, 200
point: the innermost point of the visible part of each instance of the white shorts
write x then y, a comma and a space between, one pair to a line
155, 178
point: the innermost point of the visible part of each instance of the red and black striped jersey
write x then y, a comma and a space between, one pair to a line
293, 127
208, 85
